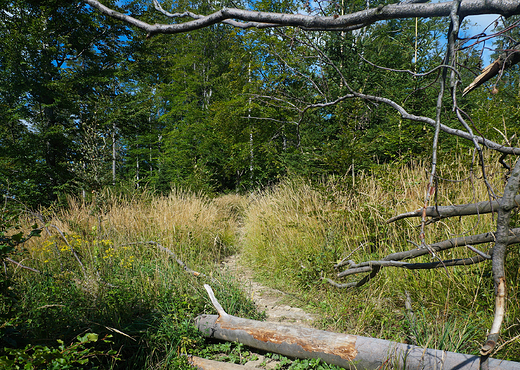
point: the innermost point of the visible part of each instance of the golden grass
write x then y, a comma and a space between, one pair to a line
295, 233
199, 230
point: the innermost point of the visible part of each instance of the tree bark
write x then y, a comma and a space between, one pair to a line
455, 210
507, 203
344, 350
237, 17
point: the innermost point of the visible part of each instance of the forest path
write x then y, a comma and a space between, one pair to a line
279, 306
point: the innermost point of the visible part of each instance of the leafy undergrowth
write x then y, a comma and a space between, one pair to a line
237, 353
103, 274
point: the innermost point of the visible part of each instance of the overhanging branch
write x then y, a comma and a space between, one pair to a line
394, 259
440, 212
311, 22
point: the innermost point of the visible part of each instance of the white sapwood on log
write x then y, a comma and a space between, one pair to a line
344, 350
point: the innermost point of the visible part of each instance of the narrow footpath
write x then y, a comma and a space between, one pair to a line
274, 302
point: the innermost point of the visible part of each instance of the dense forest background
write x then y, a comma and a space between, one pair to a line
87, 102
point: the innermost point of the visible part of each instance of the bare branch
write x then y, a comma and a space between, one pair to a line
413, 266
230, 22
394, 259
506, 204
414, 74
311, 22
174, 257
22, 266
479, 252
451, 131
440, 212
504, 61
489, 237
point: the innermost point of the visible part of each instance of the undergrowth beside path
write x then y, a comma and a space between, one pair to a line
102, 272
99, 274
297, 231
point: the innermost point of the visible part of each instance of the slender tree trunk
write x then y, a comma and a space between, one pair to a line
114, 154
251, 152
137, 169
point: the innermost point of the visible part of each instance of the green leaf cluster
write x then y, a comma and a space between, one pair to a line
75, 355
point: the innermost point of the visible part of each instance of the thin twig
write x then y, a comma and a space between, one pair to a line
22, 266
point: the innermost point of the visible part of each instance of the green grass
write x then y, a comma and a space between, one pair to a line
100, 274
291, 235
296, 232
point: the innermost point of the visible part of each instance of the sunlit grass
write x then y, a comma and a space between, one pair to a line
295, 233
103, 271
102, 267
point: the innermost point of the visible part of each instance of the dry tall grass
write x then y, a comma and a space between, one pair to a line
295, 220
296, 232
194, 227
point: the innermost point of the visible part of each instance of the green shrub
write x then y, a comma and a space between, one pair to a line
73, 356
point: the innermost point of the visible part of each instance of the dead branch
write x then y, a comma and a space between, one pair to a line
489, 237
174, 257
22, 266
394, 259
413, 266
344, 350
312, 22
440, 212
505, 61
506, 204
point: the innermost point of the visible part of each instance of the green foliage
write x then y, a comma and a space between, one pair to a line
73, 356
449, 334
117, 108
12, 236
213, 111
297, 364
97, 276
236, 353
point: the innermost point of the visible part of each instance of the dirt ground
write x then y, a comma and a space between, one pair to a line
274, 302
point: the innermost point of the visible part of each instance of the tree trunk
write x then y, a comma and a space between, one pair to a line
114, 154
347, 351
344, 350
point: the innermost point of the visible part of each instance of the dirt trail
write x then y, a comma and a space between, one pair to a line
272, 301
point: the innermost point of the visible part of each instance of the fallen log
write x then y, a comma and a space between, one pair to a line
344, 350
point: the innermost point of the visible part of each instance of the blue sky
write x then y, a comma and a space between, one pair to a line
478, 24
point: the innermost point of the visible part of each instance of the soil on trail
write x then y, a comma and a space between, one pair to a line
274, 302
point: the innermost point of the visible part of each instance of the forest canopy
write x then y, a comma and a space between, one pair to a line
88, 102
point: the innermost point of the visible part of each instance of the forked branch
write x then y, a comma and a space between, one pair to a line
395, 259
